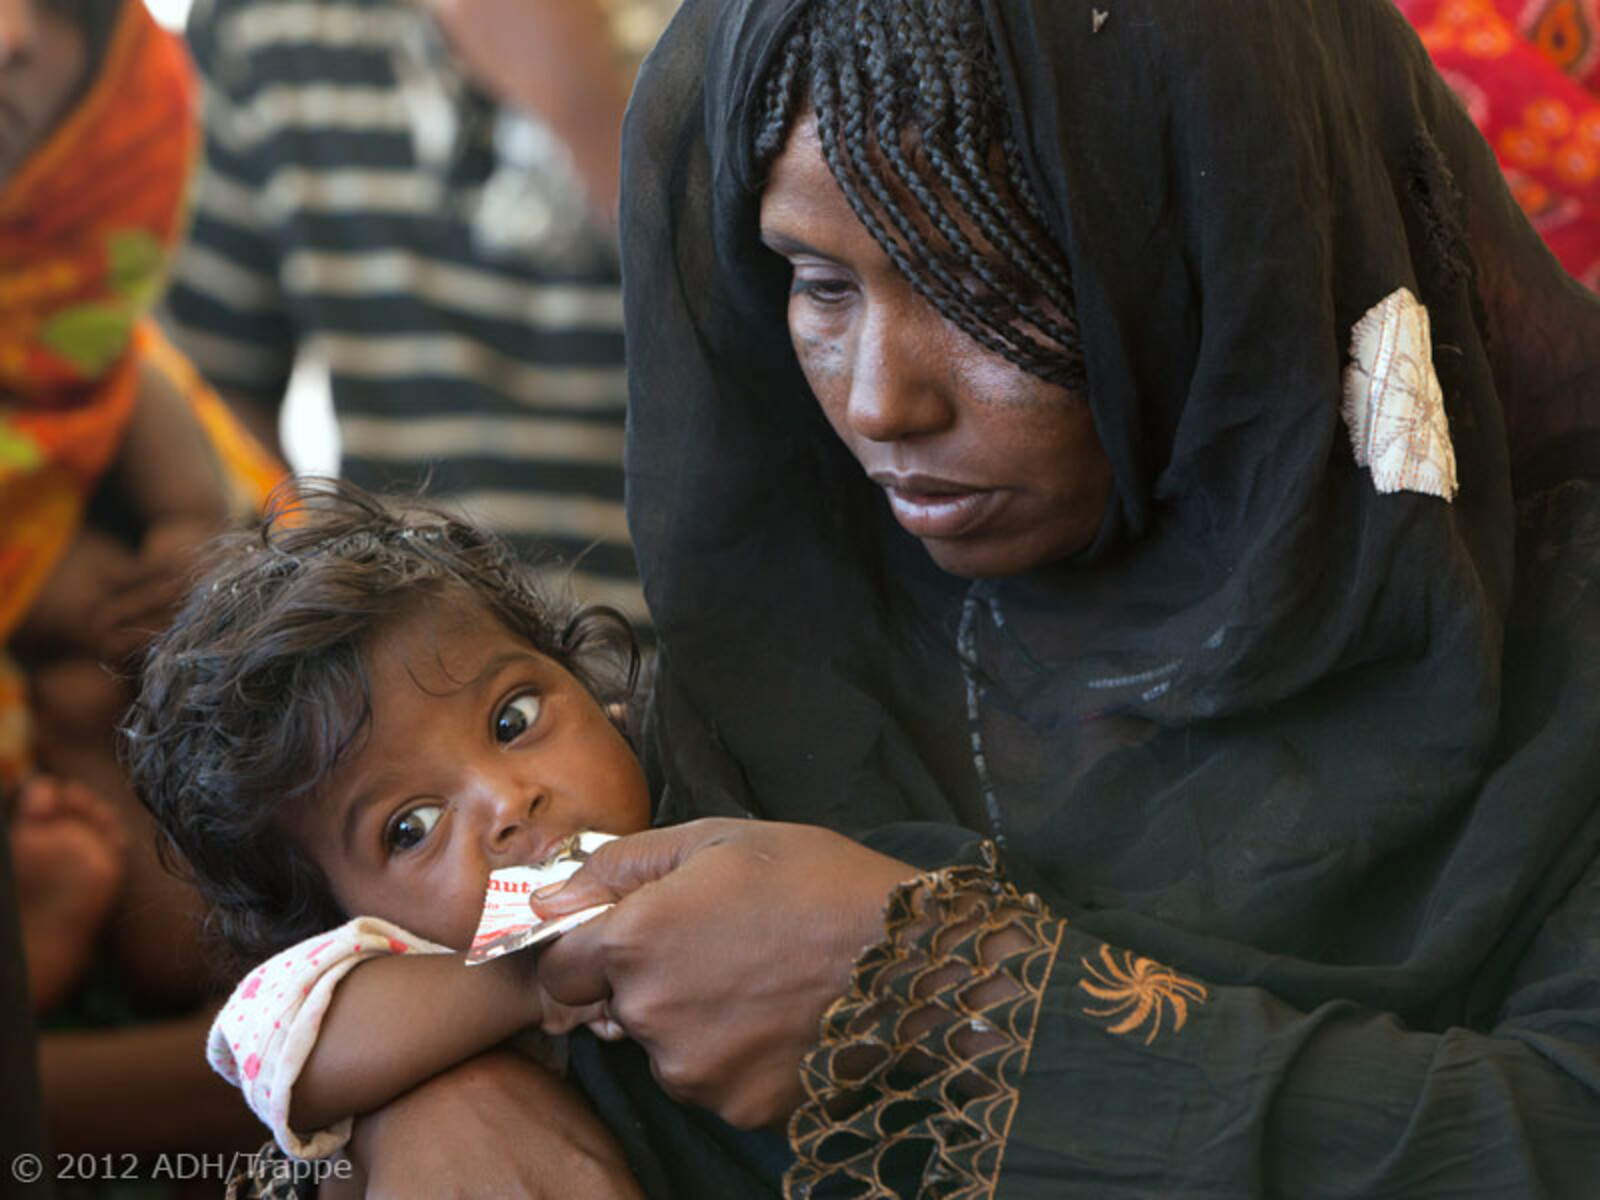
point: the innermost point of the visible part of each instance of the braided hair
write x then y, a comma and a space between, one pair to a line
912, 118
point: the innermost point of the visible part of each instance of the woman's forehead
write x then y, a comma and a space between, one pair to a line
801, 186
799, 177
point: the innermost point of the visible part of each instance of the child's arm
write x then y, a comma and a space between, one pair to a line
397, 1021
412, 1008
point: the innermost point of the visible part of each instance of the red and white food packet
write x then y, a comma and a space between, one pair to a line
508, 923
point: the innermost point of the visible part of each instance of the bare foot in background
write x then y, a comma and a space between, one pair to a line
70, 853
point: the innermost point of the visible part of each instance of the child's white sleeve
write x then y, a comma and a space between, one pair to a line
264, 1034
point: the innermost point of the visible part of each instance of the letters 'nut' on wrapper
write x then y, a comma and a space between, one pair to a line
508, 923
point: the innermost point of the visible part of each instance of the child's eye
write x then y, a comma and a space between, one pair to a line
408, 829
517, 717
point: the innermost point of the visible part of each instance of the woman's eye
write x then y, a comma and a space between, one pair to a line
517, 717
408, 829
824, 290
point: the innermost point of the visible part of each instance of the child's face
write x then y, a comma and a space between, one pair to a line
42, 60
482, 753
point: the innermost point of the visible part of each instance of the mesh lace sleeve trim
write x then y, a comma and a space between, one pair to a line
272, 1174
913, 1086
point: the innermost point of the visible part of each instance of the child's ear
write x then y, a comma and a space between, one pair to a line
627, 717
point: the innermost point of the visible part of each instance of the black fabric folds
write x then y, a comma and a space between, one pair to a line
1277, 728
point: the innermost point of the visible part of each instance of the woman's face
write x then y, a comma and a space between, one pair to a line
43, 56
994, 470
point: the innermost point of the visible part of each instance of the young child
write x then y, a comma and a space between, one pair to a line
358, 714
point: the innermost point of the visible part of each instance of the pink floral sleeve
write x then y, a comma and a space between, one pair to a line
264, 1034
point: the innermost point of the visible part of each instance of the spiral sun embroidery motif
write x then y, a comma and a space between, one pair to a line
1140, 992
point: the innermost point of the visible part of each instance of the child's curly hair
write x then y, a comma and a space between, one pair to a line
259, 687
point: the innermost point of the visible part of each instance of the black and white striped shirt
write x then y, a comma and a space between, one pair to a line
339, 215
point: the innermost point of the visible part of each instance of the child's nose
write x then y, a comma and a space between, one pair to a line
507, 829
508, 805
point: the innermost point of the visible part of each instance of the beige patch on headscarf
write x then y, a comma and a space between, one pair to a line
1393, 403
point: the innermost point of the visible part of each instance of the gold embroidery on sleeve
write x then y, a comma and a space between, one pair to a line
917, 1075
1139, 990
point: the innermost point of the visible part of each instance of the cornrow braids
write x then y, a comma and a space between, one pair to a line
260, 686
911, 114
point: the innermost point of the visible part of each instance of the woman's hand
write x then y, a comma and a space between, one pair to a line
497, 1125
105, 601
151, 586
87, 578
728, 942
555, 58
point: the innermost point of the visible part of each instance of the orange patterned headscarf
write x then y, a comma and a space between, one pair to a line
87, 226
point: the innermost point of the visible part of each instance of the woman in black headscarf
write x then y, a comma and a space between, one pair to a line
1156, 498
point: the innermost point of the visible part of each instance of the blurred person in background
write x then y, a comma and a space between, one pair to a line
421, 197
116, 466
1528, 73
22, 1132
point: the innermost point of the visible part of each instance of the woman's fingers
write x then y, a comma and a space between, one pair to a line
574, 968
624, 866
128, 621
729, 941
558, 1018
607, 1030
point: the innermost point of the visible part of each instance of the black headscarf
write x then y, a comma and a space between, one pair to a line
1275, 726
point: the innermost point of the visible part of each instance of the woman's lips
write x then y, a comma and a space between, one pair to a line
927, 513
